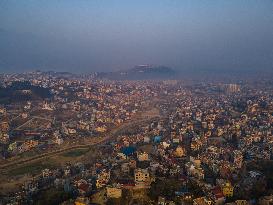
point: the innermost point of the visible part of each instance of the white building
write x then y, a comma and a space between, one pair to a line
142, 177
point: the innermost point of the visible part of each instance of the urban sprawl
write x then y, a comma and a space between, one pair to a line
68, 140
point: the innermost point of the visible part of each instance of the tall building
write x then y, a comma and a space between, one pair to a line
232, 88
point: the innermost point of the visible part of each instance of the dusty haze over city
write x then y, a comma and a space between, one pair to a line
145, 102
99, 35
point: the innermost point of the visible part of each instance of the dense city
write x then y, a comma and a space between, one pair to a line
67, 139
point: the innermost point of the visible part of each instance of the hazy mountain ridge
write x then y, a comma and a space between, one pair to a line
140, 72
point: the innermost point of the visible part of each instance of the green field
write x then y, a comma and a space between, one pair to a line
33, 168
76, 153
37, 167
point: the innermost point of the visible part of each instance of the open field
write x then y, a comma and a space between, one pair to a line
13, 177
37, 166
76, 153
31, 169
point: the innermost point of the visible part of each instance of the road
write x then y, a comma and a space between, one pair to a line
102, 140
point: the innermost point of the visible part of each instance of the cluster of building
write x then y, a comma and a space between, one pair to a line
210, 145
77, 111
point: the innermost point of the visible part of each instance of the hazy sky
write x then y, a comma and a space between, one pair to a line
102, 35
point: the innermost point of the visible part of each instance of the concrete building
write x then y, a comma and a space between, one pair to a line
142, 177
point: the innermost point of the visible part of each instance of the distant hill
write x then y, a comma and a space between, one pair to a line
22, 91
140, 72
